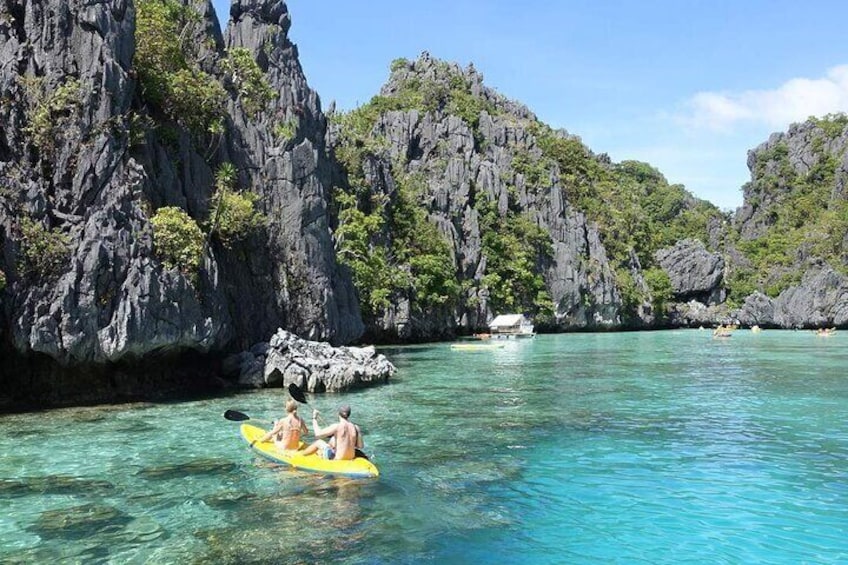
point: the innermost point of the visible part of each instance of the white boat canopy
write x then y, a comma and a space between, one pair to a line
508, 321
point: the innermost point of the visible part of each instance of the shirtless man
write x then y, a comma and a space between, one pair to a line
346, 437
287, 432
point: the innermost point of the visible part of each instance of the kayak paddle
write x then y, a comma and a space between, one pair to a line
297, 394
236, 416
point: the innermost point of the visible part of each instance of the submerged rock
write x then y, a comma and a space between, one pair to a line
54, 484
186, 469
79, 522
317, 366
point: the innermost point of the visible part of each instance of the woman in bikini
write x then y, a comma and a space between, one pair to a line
287, 432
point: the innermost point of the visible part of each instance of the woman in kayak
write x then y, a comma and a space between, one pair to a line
287, 432
346, 437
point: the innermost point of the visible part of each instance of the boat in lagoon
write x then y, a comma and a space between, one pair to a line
477, 346
825, 332
723, 331
510, 326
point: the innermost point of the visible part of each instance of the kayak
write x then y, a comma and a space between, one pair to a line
476, 346
359, 467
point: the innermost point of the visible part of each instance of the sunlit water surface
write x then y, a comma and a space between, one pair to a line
664, 447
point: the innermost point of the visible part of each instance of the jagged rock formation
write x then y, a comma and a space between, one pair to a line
313, 366
315, 298
84, 161
695, 273
788, 258
464, 164
821, 300
697, 284
816, 151
468, 146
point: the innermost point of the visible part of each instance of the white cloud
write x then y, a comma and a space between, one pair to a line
793, 101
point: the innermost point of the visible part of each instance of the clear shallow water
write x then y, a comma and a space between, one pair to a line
663, 447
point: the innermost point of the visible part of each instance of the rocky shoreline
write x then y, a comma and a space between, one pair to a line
311, 365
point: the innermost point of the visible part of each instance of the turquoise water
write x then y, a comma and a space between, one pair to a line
663, 447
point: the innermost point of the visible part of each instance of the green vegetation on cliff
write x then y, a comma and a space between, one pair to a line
170, 77
233, 214
50, 111
805, 219
516, 249
177, 240
448, 92
632, 204
247, 79
44, 251
175, 89
391, 248
421, 258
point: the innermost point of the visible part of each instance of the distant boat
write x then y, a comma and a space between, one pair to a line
756, 329
481, 337
825, 332
476, 346
510, 326
724, 331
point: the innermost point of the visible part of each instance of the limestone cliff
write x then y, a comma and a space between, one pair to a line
87, 158
788, 253
534, 221
513, 199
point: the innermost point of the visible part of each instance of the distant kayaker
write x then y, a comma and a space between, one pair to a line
345, 437
287, 432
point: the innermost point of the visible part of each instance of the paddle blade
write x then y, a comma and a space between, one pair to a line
297, 394
236, 416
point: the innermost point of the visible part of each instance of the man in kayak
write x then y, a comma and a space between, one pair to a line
346, 437
287, 432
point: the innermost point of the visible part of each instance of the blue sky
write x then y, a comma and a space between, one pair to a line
688, 86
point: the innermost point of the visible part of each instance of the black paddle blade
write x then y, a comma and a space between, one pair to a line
236, 416
297, 394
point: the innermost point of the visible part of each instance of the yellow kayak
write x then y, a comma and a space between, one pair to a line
357, 468
476, 346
